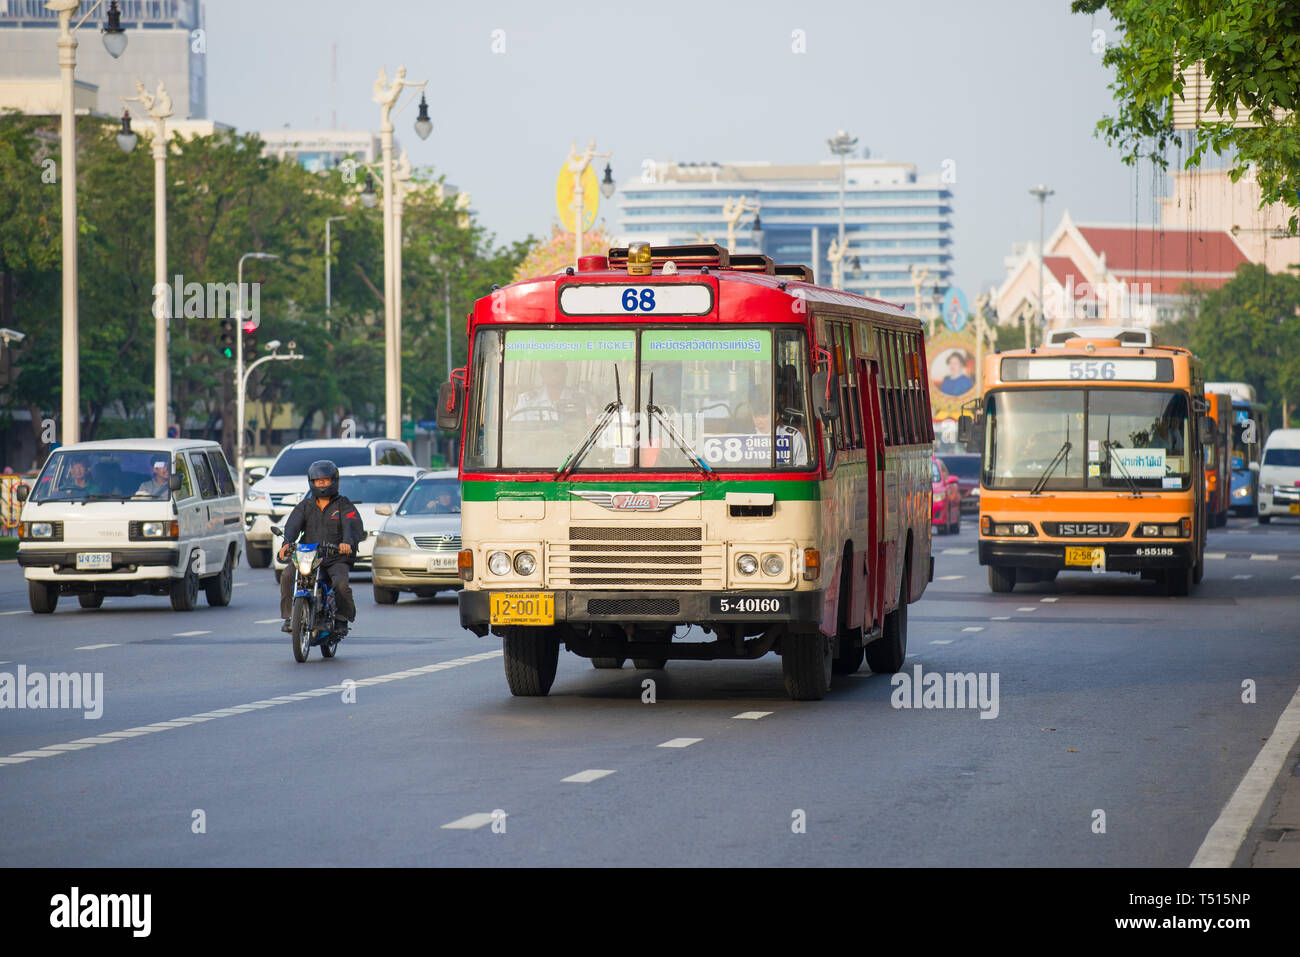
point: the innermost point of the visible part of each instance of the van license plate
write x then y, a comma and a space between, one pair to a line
522, 608
1295, 508
94, 561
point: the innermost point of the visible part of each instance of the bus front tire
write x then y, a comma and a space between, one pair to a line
1002, 579
886, 654
530, 656
1264, 519
608, 663
806, 665
1178, 581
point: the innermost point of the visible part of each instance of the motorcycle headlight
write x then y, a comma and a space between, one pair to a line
305, 562
525, 563
746, 564
499, 563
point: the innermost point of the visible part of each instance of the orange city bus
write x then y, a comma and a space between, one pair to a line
675, 437
1218, 460
1093, 460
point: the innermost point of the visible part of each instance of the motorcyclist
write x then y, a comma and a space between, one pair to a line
325, 517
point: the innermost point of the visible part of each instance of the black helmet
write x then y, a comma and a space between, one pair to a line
323, 469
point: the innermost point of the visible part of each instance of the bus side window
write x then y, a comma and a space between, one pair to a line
889, 394
882, 388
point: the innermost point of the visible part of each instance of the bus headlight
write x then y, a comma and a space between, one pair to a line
499, 563
773, 565
746, 564
525, 563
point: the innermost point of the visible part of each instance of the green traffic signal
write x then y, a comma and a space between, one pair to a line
228, 338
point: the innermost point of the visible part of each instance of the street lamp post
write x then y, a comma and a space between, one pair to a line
733, 208
577, 164
835, 253
841, 144
115, 44
386, 95
239, 367
1042, 192
401, 181
159, 106
328, 255
274, 346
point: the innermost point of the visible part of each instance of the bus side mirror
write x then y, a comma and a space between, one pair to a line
174, 482
1253, 466
21, 493
826, 409
451, 406
1207, 429
965, 427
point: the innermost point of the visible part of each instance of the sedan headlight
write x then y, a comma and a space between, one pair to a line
259, 497
746, 564
391, 540
1241, 492
499, 563
525, 563
939, 497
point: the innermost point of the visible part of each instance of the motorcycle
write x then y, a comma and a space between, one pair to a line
315, 610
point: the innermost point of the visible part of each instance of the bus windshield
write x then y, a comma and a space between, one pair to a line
1087, 439
661, 398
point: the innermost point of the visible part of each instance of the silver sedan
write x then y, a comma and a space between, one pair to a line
417, 546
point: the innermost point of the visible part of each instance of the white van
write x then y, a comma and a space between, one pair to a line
1279, 475
131, 517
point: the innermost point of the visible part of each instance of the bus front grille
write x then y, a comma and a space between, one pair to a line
635, 557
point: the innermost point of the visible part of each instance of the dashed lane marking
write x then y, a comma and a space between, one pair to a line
110, 644
1027, 608
18, 612
974, 628
1048, 601
190, 634
751, 715
1216, 554
1263, 558
949, 578
681, 742
1240, 577
1000, 618
942, 641
471, 822
112, 736
583, 777
1221, 844
268, 621
957, 551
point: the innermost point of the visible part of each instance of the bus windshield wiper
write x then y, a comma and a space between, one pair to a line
1111, 447
612, 409
653, 411
1051, 467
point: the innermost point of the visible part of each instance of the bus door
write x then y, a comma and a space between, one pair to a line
874, 440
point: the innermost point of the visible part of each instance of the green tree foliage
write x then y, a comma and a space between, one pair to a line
224, 198
1248, 330
1251, 55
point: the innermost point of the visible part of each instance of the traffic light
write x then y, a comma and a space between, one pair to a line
250, 338
228, 338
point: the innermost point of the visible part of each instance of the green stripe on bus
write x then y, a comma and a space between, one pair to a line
716, 490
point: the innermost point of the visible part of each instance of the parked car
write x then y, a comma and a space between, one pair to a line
945, 511
966, 466
417, 547
369, 488
1279, 475
269, 500
131, 517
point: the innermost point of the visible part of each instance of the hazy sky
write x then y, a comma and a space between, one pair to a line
1009, 89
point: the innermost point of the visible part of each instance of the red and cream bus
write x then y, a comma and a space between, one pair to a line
674, 437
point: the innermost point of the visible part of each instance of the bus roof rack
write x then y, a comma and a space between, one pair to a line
1126, 337
694, 256
751, 262
790, 271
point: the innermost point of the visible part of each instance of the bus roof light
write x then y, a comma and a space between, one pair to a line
639, 259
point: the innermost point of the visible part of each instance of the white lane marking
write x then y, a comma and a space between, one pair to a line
1226, 834
1048, 601
190, 634
942, 641
949, 578
470, 822
240, 584
1216, 554
1027, 608
1294, 578
111, 644
586, 777
974, 628
112, 736
20, 611
1263, 558
957, 551
681, 742
751, 715
1240, 577
269, 621
1000, 618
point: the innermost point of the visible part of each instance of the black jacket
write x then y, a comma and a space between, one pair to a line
337, 522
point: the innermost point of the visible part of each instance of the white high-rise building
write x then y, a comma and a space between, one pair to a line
894, 218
